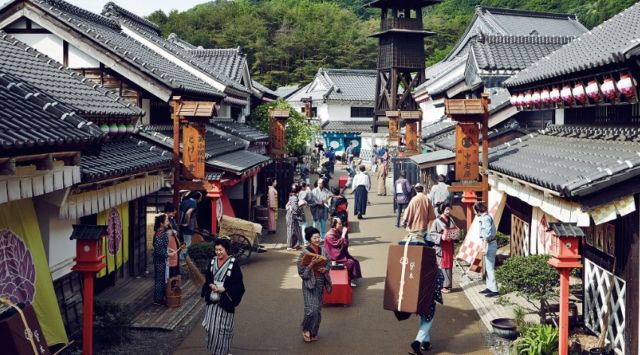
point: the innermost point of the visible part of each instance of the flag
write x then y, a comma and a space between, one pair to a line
24, 266
116, 246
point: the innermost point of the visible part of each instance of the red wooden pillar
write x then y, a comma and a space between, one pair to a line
469, 198
564, 310
87, 312
214, 196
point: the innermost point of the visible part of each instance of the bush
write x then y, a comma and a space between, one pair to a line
201, 254
502, 239
111, 322
530, 277
537, 339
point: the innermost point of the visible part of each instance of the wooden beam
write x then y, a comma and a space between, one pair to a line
8, 167
192, 185
467, 187
45, 163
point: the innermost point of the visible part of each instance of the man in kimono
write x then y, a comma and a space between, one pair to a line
419, 214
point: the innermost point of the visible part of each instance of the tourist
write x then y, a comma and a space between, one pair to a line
383, 171
315, 279
339, 205
336, 243
294, 216
443, 234
361, 185
423, 338
440, 193
319, 208
305, 170
490, 247
320, 146
272, 204
189, 216
349, 152
222, 292
418, 214
402, 195
331, 158
160, 255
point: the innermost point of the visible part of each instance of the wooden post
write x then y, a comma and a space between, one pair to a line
485, 149
87, 312
394, 126
277, 138
175, 108
564, 311
413, 143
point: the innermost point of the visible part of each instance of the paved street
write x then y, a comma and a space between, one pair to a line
268, 320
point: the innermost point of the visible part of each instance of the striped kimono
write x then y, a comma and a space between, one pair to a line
313, 285
295, 214
219, 316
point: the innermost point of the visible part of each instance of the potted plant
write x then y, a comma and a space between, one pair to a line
540, 339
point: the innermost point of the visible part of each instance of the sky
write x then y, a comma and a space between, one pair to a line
138, 7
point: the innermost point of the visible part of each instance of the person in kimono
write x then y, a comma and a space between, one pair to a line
315, 279
295, 215
383, 171
418, 214
222, 292
361, 185
160, 254
443, 240
423, 338
336, 244
272, 204
319, 209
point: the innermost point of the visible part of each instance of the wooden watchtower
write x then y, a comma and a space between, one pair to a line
401, 58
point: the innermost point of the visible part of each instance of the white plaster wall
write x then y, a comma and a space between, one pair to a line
559, 117
338, 111
49, 44
323, 112
60, 250
224, 111
78, 59
430, 113
146, 106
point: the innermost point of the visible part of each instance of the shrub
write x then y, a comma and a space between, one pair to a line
530, 277
201, 253
111, 322
537, 339
502, 239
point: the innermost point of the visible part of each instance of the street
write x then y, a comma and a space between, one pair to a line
268, 319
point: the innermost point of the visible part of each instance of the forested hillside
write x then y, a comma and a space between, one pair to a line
286, 41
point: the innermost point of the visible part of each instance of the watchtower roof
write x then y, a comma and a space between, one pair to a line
400, 4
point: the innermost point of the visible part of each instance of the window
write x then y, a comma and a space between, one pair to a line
362, 112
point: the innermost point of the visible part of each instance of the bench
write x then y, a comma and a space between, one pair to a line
341, 292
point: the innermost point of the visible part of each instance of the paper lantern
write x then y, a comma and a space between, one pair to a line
554, 95
545, 99
514, 100
566, 95
527, 99
520, 100
535, 98
625, 86
608, 89
579, 93
593, 92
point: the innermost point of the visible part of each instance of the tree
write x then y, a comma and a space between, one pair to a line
298, 132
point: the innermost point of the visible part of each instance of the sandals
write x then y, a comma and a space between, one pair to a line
306, 337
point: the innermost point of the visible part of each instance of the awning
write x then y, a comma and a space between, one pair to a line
434, 158
238, 162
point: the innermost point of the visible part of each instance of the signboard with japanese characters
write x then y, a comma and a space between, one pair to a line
193, 151
467, 155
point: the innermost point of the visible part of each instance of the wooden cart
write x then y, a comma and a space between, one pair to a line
243, 234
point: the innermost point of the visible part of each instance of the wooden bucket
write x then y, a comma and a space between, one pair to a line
174, 292
262, 216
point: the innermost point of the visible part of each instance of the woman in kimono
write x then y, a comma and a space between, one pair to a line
222, 292
315, 279
339, 206
336, 245
295, 214
160, 254
443, 234
272, 203
383, 170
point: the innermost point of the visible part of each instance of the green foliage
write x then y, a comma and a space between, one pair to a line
519, 313
530, 277
111, 322
502, 239
537, 339
202, 251
298, 132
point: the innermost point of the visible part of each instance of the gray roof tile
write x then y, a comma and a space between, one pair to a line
33, 122
107, 33
62, 84
608, 43
526, 22
567, 159
240, 130
239, 161
347, 126
350, 84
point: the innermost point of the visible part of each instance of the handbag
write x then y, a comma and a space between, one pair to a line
214, 296
452, 233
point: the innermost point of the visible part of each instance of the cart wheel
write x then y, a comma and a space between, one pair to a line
241, 247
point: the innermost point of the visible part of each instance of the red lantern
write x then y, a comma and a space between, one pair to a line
514, 100
521, 100
625, 85
535, 98
527, 99
608, 89
545, 99
593, 92
554, 95
579, 93
566, 95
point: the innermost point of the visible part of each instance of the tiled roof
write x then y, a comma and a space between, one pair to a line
433, 156
500, 98
122, 157
435, 129
608, 43
347, 126
569, 159
31, 121
442, 76
173, 38
227, 61
238, 129
239, 161
137, 24
107, 34
285, 91
526, 22
350, 84
218, 145
62, 84
263, 89
513, 53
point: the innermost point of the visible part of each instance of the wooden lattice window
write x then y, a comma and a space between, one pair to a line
519, 236
600, 286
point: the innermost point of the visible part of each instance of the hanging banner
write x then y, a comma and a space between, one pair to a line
472, 242
467, 158
24, 272
194, 150
116, 246
539, 226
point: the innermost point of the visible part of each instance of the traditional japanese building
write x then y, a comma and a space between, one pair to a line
583, 169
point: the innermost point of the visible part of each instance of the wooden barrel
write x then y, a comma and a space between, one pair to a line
262, 216
174, 292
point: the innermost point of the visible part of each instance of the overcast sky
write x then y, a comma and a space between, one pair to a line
138, 7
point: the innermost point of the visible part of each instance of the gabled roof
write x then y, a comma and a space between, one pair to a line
613, 41
286, 91
33, 122
143, 28
340, 85
227, 61
240, 130
60, 83
573, 161
107, 36
262, 90
122, 157
173, 38
347, 126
